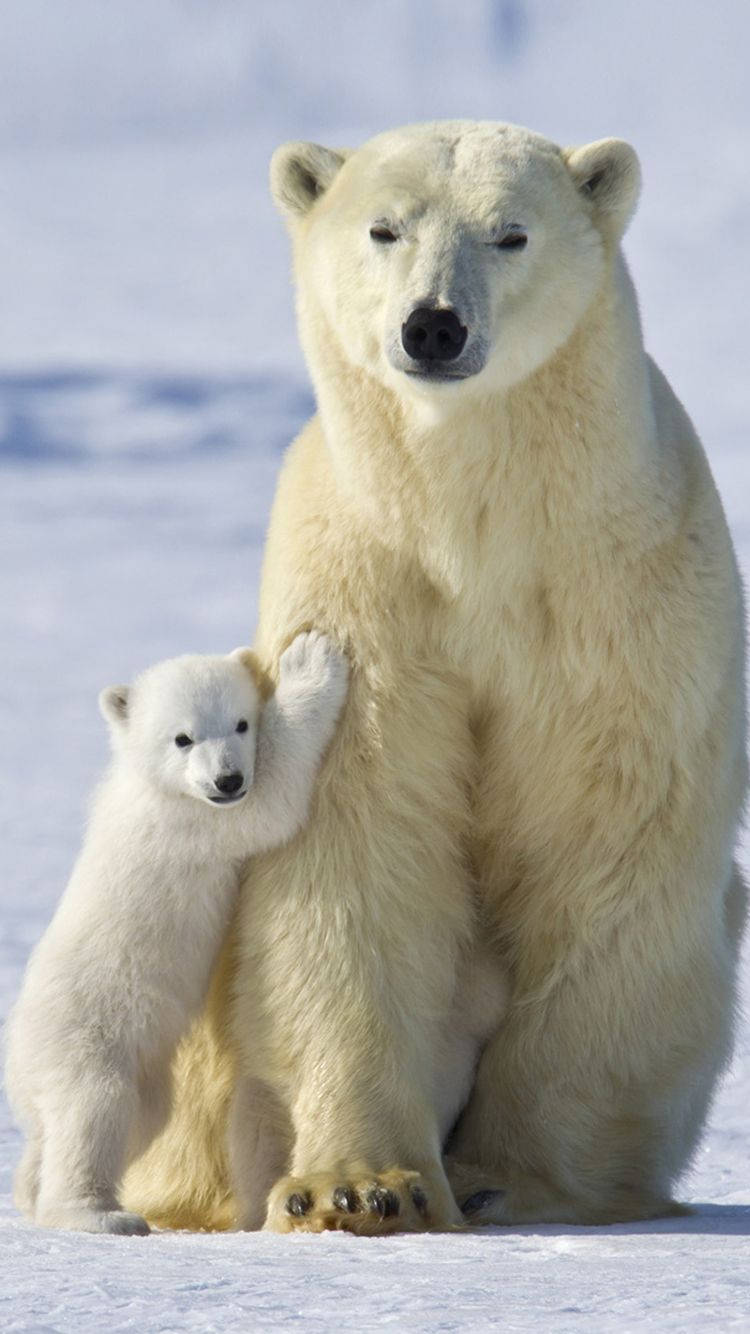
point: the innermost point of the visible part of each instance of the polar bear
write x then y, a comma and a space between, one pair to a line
125, 964
504, 509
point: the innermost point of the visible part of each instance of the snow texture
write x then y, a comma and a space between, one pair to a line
149, 380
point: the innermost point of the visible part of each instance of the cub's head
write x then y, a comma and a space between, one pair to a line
454, 255
189, 725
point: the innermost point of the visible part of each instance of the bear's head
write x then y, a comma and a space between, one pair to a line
450, 256
188, 726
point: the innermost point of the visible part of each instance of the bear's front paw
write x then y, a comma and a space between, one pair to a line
313, 663
370, 1204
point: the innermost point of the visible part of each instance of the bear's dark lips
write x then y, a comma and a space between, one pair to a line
436, 376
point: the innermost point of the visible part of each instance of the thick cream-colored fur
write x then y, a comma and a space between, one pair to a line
543, 744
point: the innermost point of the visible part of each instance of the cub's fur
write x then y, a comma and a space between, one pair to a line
203, 776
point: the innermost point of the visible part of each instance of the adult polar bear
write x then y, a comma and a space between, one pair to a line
505, 513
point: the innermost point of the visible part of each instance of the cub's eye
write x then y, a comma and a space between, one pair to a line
241, 726
513, 241
382, 234
183, 740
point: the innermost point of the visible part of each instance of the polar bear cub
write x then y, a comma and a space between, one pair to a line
204, 774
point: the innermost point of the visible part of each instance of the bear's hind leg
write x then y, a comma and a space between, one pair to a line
603, 1136
492, 1197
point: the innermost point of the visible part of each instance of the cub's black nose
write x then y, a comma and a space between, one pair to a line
433, 335
229, 783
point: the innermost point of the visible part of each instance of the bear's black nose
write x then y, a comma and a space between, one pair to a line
433, 335
229, 783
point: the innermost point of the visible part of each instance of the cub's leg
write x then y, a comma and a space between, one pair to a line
87, 1123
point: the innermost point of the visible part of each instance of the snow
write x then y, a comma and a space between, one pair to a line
149, 380
546, 1279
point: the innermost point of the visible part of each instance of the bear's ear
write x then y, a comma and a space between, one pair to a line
607, 173
301, 173
250, 660
113, 702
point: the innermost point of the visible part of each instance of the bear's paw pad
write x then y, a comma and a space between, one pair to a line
369, 1204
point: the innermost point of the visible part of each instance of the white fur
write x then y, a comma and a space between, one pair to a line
531, 565
125, 963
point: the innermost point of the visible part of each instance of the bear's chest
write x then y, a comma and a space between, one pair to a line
518, 629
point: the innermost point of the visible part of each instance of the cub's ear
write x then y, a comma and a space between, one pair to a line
301, 173
113, 702
250, 660
607, 173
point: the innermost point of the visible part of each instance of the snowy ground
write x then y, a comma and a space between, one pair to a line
149, 380
111, 562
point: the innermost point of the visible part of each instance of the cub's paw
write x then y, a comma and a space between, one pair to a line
81, 1219
312, 662
124, 1224
371, 1204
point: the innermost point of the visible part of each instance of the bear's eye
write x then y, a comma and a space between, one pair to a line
241, 726
382, 234
513, 241
182, 740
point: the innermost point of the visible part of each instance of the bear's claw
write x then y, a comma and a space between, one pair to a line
299, 1204
383, 1202
346, 1199
419, 1199
369, 1204
479, 1199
